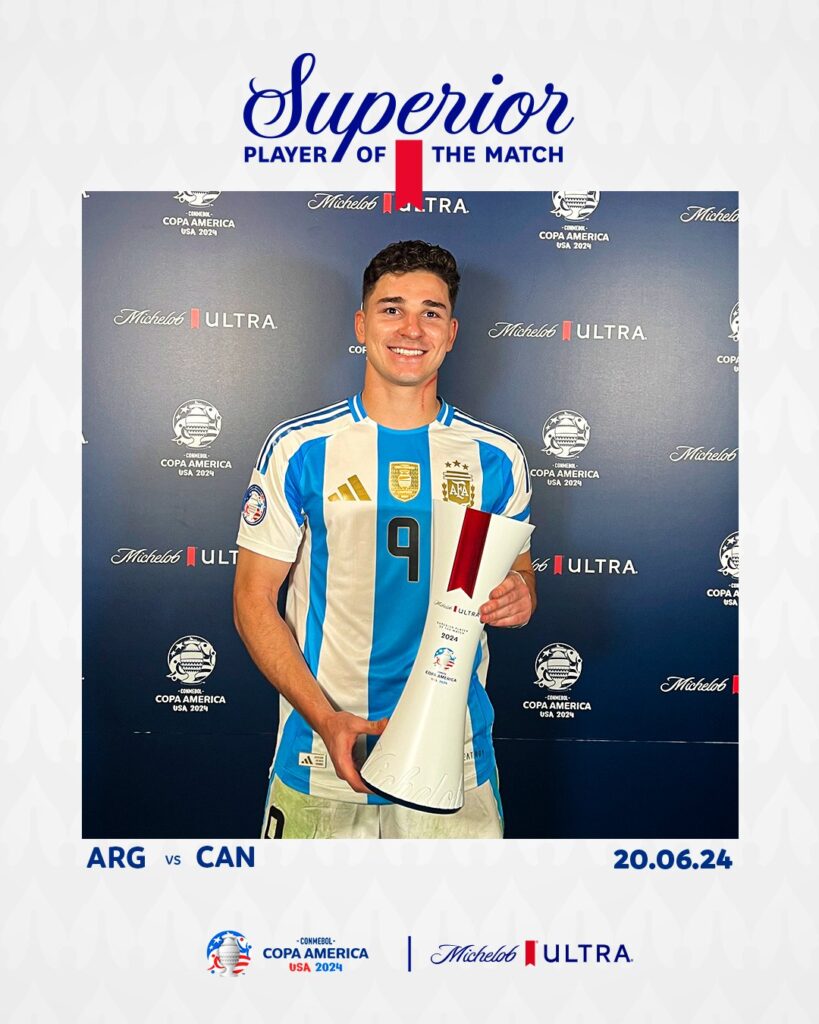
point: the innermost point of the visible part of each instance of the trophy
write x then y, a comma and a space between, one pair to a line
418, 760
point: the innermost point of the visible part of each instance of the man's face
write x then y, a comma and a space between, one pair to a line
407, 326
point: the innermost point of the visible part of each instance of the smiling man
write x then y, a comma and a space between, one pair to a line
340, 501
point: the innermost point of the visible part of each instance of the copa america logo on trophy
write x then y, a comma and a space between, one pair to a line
418, 760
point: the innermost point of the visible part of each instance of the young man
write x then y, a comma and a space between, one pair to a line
340, 502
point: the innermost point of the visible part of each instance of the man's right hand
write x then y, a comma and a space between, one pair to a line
340, 730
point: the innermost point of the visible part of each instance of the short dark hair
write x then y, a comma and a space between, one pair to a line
404, 257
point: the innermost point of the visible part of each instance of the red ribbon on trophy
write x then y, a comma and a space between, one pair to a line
470, 551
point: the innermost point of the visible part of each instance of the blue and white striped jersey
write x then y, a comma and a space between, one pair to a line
349, 503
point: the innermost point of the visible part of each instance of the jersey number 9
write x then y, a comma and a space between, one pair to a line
403, 542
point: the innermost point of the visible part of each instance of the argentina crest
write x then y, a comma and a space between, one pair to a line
405, 480
457, 484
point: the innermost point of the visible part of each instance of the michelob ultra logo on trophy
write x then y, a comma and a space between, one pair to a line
419, 758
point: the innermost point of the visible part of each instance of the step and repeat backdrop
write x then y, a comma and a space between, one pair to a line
600, 328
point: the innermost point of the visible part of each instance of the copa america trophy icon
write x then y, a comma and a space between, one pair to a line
418, 760
229, 954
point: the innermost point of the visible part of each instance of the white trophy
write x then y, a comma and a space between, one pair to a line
418, 760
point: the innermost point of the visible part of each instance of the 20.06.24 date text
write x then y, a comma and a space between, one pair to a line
666, 859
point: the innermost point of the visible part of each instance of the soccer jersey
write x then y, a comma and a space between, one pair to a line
349, 503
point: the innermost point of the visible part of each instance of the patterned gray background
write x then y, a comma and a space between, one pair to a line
704, 95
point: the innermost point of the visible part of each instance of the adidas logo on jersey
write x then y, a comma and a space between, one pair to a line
352, 490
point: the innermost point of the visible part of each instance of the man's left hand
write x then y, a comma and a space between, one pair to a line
509, 604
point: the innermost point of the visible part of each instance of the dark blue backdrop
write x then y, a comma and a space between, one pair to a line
625, 316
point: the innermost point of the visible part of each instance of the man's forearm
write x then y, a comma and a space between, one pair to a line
276, 653
277, 656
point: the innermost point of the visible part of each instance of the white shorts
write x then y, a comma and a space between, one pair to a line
293, 815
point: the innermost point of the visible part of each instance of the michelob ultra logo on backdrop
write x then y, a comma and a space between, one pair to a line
350, 201
299, 110
559, 565
194, 556
567, 330
196, 318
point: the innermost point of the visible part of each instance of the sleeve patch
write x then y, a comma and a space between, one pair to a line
254, 505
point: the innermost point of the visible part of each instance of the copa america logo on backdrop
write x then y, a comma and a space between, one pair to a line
575, 205
565, 436
731, 359
729, 555
573, 208
196, 424
228, 954
197, 199
558, 667
728, 566
734, 321
191, 659
198, 219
